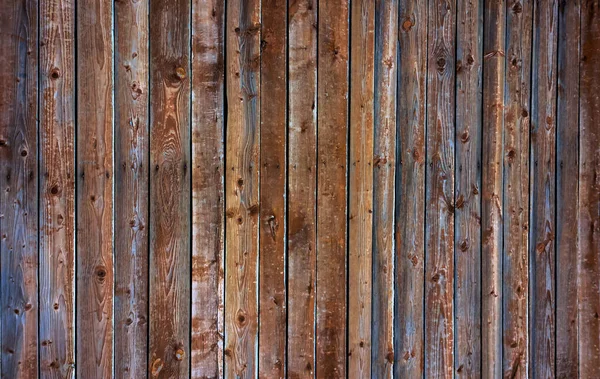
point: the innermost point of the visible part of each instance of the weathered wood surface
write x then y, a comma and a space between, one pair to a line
301, 189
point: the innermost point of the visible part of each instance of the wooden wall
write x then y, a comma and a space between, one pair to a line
310, 188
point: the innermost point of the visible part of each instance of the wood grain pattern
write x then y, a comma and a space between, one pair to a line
302, 185
384, 146
19, 186
492, 176
94, 193
273, 131
208, 255
360, 191
467, 238
409, 231
332, 134
243, 34
516, 188
589, 192
170, 182
439, 197
542, 221
57, 189
567, 188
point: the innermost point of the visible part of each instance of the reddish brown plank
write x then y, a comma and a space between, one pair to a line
589, 192
360, 191
131, 188
57, 189
515, 213
208, 67
302, 175
242, 183
94, 195
567, 188
384, 151
332, 114
468, 186
19, 187
170, 234
439, 197
492, 176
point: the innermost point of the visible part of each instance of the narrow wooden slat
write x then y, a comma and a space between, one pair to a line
131, 188
170, 154
242, 187
94, 195
515, 213
492, 176
384, 145
439, 197
542, 297
272, 325
567, 188
57, 189
410, 191
302, 175
19, 187
208, 71
468, 186
360, 191
589, 192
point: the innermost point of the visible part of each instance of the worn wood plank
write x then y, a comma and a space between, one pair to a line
589, 192
242, 183
19, 186
360, 191
332, 115
409, 231
567, 188
273, 131
542, 297
94, 195
515, 213
208, 68
170, 154
131, 188
467, 197
439, 197
302, 176
57, 189
492, 176
384, 151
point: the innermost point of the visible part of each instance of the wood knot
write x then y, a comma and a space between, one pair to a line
465, 137
390, 357
517, 8
441, 64
179, 354
157, 365
55, 73
407, 25
241, 318
55, 190
101, 274
180, 73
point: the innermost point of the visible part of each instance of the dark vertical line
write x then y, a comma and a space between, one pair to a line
454, 323
286, 216
149, 176
191, 185
39, 149
530, 305
347, 176
316, 192
77, 173
113, 185
578, 172
501, 266
258, 110
482, 119
224, 183
424, 210
556, 174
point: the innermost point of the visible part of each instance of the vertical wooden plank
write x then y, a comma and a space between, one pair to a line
131, 188
94, 203
515, 213
19, 186
468, 186
302, 176
384, 149
360, 191
333, 56
57, 189
170, 188
439, 197
542, 296
410, 191
567, 178
492, 177
273, 68
208, 72
589, 192
242, 187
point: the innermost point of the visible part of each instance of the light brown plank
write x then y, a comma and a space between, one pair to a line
57, 189
208, 67
94, 195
